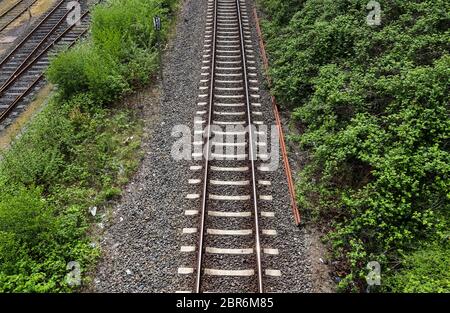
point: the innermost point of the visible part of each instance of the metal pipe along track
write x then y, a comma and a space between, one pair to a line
228, 252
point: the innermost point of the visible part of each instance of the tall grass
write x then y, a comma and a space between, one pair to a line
372, 106
77, 152
119, 56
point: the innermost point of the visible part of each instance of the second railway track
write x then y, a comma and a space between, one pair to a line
11, 13
229, 176
22, 68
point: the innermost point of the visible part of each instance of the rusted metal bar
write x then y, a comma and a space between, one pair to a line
287, 167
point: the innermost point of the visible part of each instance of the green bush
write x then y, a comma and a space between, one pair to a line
282, 11
77, 152
83, 70
120, 55
36, 242
371, 103
33, 252
425, 270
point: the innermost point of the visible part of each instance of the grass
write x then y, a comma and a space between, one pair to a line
77, 152
14, 130
371, 107
70, 158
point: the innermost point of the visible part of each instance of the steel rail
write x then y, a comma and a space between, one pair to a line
2, 62
287, 167
252, 153
18, 15
208, 136
20, 69
6, 112
11, 8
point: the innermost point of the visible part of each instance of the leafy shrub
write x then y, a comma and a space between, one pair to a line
74, 153
282, 11
33, 250
83, 69
77, 152
425, 270
119, 56
372, 107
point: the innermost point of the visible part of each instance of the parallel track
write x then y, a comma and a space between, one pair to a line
13, 12
228, 251
22, 69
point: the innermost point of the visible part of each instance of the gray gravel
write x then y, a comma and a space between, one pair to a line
147, 240
293, 260
21, 33
142, 239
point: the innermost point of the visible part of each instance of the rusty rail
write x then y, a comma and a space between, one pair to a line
287, 167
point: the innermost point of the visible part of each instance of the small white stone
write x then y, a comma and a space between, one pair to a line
93, 210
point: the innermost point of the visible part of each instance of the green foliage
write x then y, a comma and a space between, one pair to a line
425, 270
24, 214
36, 242
78, 139
77, 152
120, 55
82, 69
372, 106
282, 11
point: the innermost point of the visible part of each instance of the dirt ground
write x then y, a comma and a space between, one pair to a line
6, 4
21, 24
7, 135
318, 254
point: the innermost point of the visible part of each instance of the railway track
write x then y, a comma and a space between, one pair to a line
22, 69
10, 14
230, 245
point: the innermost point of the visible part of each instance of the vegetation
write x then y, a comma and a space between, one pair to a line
121, 53
372, 107
78, 151
424, 270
